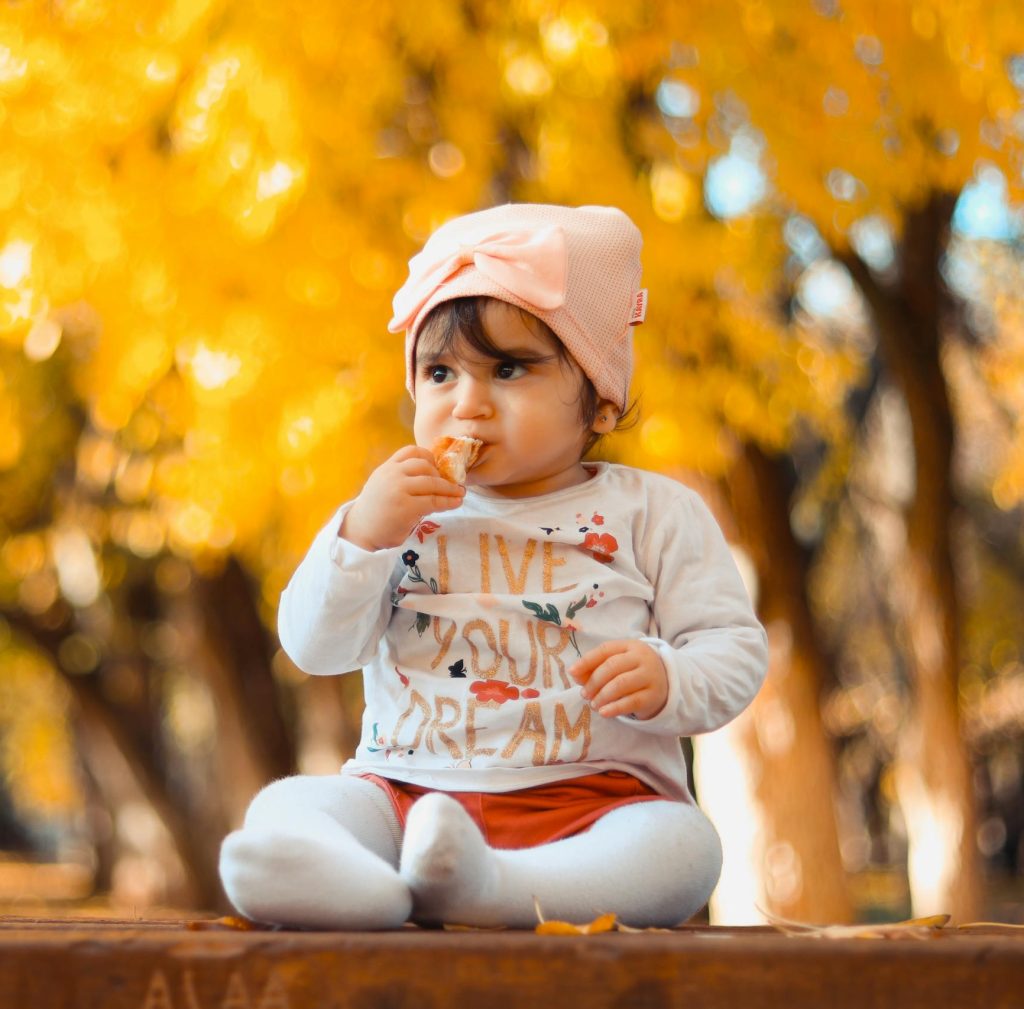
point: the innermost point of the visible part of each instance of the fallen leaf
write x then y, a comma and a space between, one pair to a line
990, 926
229, 922
912, 928
620, 927
606, 923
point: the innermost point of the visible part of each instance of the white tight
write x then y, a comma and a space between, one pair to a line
328, 852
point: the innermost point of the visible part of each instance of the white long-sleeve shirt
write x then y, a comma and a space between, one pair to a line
465, 633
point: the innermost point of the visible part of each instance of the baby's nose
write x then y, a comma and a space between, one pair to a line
473, 399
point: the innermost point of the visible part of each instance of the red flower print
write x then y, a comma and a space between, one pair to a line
530, 692
425, 528
598, 520
602, 546
494, 690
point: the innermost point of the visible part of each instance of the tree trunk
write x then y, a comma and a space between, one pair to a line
120, 769
125, 779
232, 652
778, 817
933, 773
127, 755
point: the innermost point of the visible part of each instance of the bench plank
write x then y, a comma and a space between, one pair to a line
162, 965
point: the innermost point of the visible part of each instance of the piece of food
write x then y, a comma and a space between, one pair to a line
455, 456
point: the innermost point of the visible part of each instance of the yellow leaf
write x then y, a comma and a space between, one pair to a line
230, 922
605, 923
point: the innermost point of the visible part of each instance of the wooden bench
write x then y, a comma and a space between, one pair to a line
107, 964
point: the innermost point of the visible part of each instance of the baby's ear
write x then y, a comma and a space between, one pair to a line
606, 419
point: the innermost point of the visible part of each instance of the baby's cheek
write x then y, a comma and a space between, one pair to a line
427, 418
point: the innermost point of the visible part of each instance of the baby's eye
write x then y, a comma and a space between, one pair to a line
438, 373
509, 369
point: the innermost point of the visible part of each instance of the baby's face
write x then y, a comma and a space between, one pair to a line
524, 407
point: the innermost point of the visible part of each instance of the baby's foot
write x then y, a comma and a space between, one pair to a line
446, 863
293, 879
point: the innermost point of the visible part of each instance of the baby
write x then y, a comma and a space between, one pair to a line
533, 644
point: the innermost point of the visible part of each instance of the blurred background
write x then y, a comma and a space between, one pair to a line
205, 208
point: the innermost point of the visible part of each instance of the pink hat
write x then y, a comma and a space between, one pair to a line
575, 268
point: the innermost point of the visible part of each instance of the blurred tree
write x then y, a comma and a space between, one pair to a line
902, 104
205, 207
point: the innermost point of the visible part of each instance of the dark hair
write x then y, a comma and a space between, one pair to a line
459, 322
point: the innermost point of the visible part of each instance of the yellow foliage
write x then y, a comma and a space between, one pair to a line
36, 753
205, 207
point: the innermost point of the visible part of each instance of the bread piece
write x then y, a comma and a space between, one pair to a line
456, 456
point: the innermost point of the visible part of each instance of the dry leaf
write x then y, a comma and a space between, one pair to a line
990, 926
230, 922
620, 927
912, 928
606, 923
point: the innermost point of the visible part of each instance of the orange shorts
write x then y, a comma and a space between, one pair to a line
527, 817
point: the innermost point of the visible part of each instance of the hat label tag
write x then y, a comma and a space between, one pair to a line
639, 313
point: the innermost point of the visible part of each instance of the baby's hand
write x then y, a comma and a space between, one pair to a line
623, 678
397, 495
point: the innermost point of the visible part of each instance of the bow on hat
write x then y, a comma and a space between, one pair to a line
532, 265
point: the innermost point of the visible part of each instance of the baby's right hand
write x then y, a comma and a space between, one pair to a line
397, 495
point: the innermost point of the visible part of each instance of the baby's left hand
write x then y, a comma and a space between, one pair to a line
623, 678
